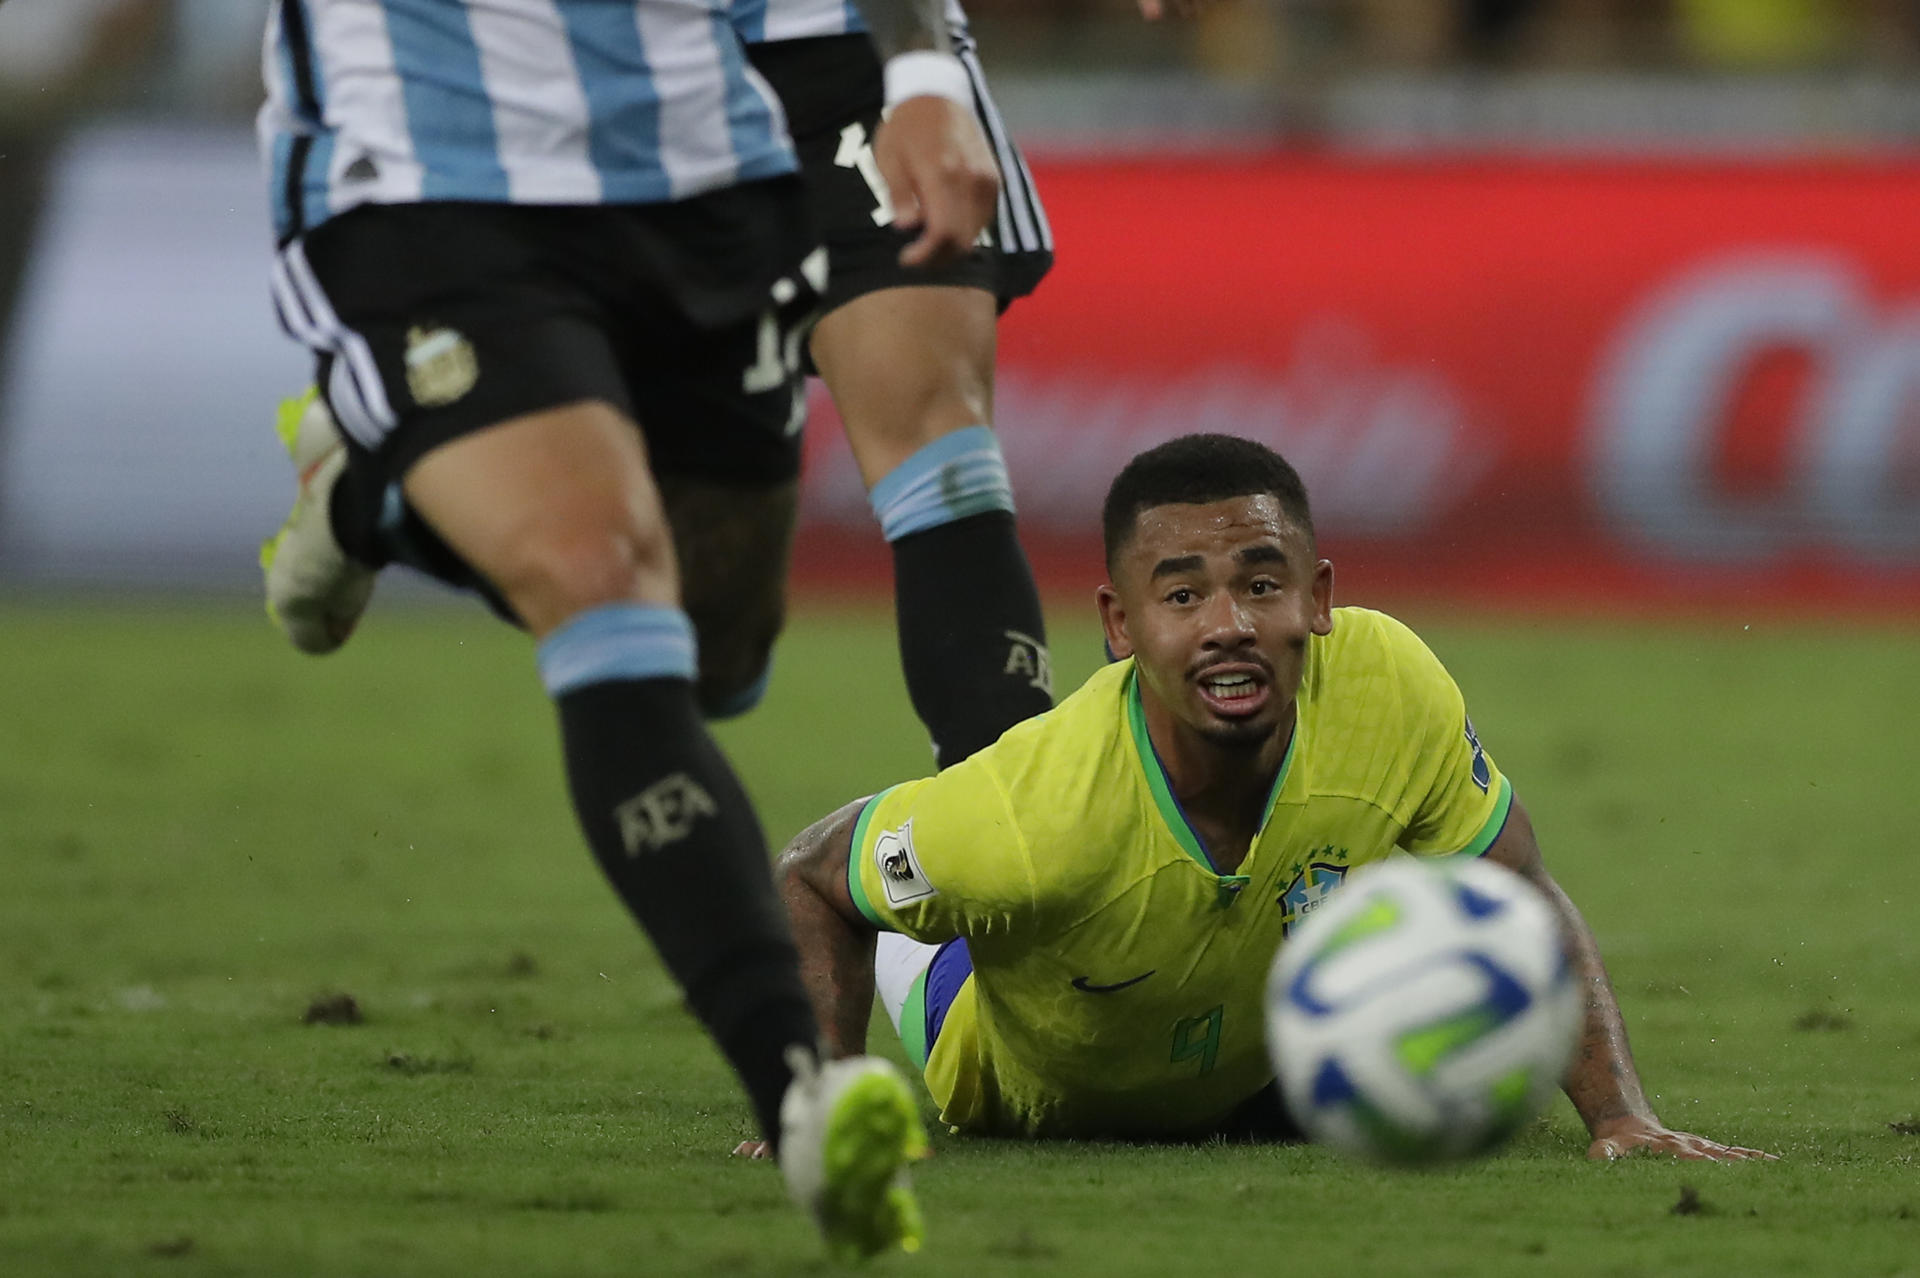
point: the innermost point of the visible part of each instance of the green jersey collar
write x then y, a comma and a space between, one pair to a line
1171, 813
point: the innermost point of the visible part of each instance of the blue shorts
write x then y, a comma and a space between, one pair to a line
925, 1011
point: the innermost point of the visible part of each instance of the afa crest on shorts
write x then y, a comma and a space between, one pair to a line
1309, 890
441, 366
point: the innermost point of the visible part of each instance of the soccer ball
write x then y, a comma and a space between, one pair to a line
1423, 1013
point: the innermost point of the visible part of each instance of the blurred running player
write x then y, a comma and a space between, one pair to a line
552, 260
1075, 925
907, 351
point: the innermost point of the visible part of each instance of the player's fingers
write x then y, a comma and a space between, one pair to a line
932, 249
903, 192
909, 212
941, 169
1740, 1153
1692, 1153
1688, 1145
954, 214
1714, 1151
922, 252
1151, 10
1614, 1148
946, 230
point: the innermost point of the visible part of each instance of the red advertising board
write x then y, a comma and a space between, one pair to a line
1559, 383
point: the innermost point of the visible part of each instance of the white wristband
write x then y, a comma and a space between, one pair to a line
926, 74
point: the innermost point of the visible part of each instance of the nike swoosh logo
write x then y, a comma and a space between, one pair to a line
1087, 987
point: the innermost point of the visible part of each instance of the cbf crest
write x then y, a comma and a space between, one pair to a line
1309, 890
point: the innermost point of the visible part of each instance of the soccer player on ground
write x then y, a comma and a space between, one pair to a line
551, 256
1075, 925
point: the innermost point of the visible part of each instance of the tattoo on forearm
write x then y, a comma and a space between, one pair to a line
901, 26
1601, 1083
836, 957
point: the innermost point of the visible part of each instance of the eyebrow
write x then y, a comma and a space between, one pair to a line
1264, 553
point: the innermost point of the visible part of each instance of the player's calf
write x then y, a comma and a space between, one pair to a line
733, 542
673, 830
972, 640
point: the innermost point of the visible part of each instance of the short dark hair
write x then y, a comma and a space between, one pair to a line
1195, 470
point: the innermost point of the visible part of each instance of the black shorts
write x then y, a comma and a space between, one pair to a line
435, 320
832, 89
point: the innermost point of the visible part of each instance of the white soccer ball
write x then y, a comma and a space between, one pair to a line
1424, 1012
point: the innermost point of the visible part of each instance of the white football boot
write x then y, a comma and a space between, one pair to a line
315, 593
848, 1130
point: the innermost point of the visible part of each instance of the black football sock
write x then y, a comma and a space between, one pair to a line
354, 510
972, 641
677, 837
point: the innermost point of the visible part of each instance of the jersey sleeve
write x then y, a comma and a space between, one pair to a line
941, 858
1456, 800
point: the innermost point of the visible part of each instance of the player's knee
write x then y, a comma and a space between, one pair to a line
551, 575
908, 366
960, 474
919, 411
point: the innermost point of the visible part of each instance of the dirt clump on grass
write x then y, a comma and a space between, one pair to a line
1690, 1204
333, 1009
459, 1062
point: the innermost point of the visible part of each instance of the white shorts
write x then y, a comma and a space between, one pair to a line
898, 964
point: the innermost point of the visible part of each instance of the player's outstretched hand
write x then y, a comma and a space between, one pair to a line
940, 175
1635, 1135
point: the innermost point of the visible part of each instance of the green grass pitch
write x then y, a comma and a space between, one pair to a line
200, 833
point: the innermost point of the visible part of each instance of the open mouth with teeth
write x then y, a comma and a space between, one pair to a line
1234, 693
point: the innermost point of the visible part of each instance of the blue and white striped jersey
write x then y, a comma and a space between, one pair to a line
509, 101
765, 21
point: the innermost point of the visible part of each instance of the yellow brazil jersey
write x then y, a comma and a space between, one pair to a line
1117, 978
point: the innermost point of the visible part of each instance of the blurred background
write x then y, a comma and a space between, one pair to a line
1591, 304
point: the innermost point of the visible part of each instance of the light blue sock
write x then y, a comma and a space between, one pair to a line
618, 641
955, 476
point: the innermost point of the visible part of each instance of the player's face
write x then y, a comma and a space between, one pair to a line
1215, 603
